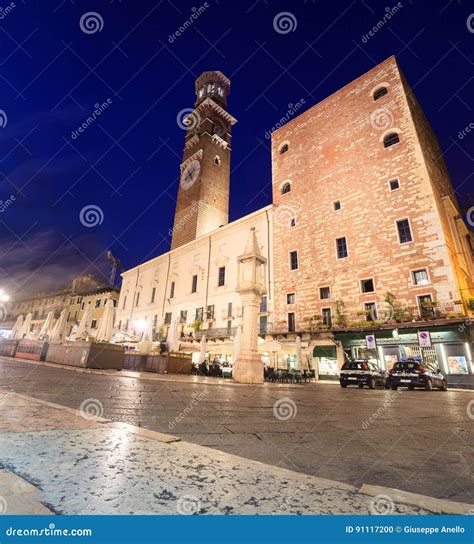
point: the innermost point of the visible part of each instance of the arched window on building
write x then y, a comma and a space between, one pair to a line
283, 149
286, 188
391, 139
381, 91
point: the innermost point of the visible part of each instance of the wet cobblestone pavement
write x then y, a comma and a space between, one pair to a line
414, 441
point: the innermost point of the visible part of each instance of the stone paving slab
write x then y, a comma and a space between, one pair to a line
117, 468
19, 414
421, 442
111, 471
20, 497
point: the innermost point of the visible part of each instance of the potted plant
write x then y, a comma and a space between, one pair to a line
196, 325
341, 319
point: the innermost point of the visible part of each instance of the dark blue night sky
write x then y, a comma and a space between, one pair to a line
52, 74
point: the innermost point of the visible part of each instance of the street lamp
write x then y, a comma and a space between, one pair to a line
3, 296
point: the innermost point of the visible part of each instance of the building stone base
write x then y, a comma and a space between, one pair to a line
248, 370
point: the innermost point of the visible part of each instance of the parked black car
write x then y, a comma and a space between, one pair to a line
362, 372
413, 373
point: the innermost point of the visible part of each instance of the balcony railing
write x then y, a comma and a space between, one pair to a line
383, 315
224, 332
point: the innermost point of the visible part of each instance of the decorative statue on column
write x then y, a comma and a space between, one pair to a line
248, 367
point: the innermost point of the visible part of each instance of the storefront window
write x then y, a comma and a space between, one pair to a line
326, 359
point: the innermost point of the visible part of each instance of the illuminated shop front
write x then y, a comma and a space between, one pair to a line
447, 347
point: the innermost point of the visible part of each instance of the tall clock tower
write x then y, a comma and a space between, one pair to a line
203, 195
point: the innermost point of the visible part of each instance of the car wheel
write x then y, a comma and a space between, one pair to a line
343, 384
393, 387
387, 386
361, 385
371, 383
444, 386
411, 387
429, 385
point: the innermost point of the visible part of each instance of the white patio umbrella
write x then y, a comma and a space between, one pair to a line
237, 343
299, 354
146, 342
203, 349
172, 339
47, 327
106, 323
15, 334
82, 330
25, 329
59, 330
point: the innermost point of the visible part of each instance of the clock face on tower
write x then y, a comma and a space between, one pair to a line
190, 174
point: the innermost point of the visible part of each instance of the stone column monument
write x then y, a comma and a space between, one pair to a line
248, 368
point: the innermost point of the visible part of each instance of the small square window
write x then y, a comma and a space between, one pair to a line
324, 293
337, 205
420, 277
293, 222
394, 184
290, 298
367, 286
293, 260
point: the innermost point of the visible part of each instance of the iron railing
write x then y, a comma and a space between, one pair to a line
224, 332
382, 315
